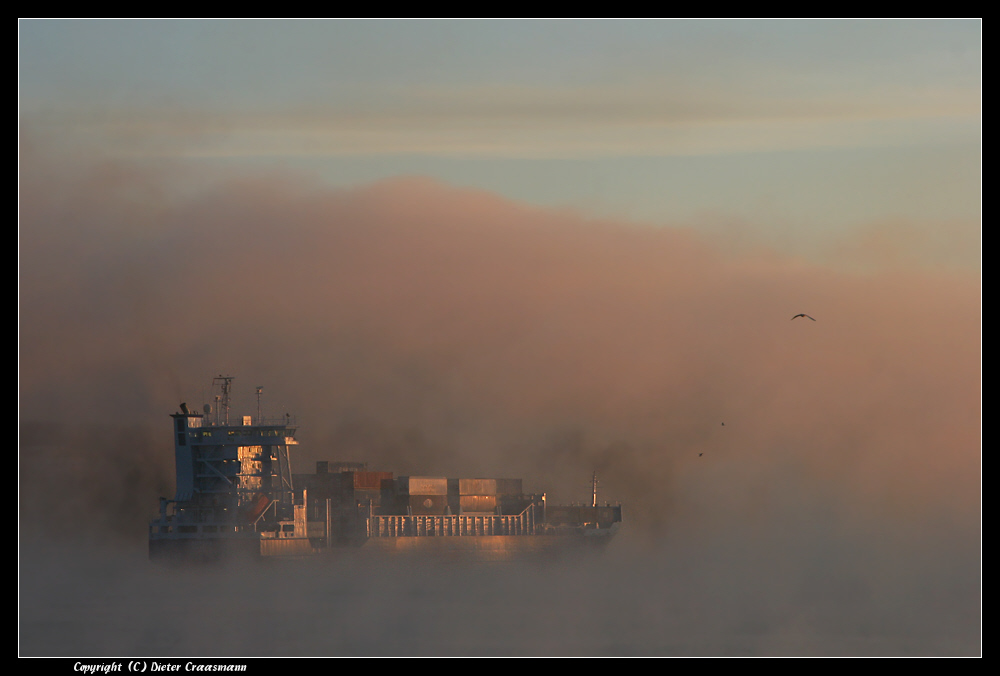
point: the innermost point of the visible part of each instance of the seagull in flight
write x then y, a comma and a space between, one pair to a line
802, 314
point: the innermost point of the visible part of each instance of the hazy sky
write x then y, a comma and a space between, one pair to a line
801, 132
516, 248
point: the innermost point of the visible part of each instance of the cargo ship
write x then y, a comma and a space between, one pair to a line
236, 495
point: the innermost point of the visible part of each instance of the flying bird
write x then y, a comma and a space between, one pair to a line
802, 314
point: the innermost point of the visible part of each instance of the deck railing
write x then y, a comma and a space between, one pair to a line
452, 526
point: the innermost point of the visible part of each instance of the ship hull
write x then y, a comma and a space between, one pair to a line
495, 548
487, 547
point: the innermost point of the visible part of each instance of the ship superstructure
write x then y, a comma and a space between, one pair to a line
234, 482
236, 493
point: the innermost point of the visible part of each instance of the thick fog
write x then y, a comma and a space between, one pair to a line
789, 486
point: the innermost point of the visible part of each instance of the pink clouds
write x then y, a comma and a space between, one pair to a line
504, 338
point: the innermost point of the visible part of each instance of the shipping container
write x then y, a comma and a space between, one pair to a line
428, 504
477, 486
422, 485
478, 503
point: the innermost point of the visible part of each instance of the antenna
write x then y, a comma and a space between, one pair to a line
259, 390
594, 503
226, 383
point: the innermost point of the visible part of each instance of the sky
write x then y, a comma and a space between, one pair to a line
516, 248
801, 132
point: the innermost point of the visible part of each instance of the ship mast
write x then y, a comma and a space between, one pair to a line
227, 386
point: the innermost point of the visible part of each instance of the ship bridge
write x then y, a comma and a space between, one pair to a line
232, 478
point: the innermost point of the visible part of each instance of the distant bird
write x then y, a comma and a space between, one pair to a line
700, 454
802, 314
